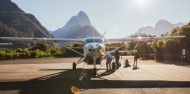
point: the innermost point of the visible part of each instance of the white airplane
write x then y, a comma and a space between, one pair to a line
91, 45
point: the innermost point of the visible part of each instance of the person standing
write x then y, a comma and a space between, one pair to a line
117, 57
136, 57
108, 61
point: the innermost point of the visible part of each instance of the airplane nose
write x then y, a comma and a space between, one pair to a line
90, 47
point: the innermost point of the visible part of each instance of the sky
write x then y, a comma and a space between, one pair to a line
119, 18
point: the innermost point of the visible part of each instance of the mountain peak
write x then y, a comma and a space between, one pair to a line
148, 30
162, 23
81, 13
78, 25
81, 19
161, 27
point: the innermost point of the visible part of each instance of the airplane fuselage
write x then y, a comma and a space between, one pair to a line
91, 44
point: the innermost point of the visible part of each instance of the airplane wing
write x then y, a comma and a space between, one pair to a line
5, 44
123, 40
70, 41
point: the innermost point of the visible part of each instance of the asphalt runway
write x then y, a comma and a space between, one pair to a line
55, 76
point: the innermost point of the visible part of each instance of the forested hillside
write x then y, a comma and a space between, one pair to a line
14, 22
165, 49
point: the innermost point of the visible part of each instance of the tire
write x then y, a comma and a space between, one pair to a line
74, 66
113, 66
94, 71
119, 64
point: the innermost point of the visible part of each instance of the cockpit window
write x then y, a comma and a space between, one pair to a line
92, 40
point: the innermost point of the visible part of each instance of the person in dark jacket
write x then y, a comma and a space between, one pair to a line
117, 57
136, 57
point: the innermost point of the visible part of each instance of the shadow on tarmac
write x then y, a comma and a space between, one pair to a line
61, 83
135, 68
176, 63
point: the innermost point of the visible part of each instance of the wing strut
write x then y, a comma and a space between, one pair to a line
75, 51
118, 47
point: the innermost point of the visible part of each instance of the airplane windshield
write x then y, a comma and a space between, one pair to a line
92, 40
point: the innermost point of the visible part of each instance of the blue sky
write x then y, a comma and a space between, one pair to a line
120, 18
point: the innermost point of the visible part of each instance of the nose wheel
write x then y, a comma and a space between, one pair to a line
94, 71
74, 66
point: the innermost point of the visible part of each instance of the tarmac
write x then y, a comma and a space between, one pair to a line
55, 76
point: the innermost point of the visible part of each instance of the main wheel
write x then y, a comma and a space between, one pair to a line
74, 66
119, 64
94, 71
113, 66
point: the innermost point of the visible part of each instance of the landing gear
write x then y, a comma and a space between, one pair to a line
94, 71
119, 64
113, 66
74, 66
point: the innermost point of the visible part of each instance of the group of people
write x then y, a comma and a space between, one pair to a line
110, 58
136, 57
117, 57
